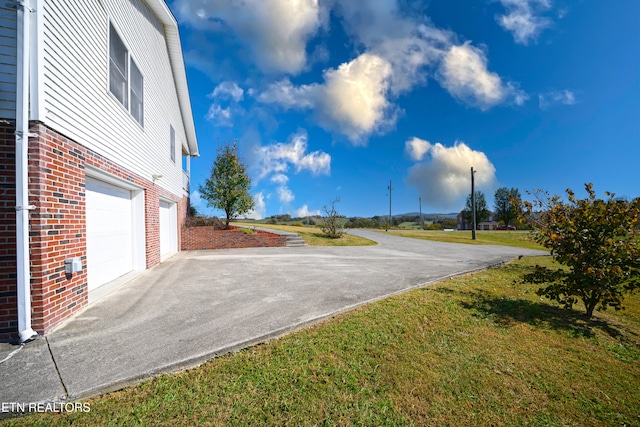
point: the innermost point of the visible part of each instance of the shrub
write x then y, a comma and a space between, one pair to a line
596, 239
205, 221
333, 223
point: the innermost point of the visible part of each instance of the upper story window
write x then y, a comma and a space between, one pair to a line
172, 143
125, 79
136, 94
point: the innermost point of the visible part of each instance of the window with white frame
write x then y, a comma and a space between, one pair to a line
136, 94
172, 143
125, 79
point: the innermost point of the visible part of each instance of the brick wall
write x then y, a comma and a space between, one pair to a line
197, 238
57, 227
57, 182
8, 290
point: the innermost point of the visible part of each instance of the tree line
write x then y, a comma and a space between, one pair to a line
505, 207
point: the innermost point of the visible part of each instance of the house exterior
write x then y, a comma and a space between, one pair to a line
489, 224
96, 136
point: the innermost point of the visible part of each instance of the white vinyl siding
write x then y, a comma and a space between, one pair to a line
77, 98
8, 60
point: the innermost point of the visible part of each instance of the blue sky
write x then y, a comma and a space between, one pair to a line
335, 98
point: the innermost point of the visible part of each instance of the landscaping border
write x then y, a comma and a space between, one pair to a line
206, 237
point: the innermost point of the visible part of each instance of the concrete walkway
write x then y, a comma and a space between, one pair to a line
293, 239
202, 304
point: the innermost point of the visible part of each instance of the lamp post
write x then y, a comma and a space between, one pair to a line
390, 217
473, 205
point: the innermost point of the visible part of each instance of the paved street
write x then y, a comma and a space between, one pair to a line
201, 304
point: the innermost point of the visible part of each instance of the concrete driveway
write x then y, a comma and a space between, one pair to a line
201, 304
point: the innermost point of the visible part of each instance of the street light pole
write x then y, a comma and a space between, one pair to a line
473, 205
390, 217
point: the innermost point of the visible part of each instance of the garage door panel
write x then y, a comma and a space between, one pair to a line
168, 229
109, 232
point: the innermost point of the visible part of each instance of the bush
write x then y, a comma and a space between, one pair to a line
204, 221
333, 224
596, 239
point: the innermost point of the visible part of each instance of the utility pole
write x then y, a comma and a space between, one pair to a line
473, 204
421, 221
390, 217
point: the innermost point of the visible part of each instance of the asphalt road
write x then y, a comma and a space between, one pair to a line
200, 304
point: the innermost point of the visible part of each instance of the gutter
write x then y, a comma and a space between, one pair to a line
25, 332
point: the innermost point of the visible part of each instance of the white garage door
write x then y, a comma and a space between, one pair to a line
168, 229
109, 232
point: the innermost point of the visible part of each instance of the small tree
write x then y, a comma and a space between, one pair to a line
482, 213
506, 204
333, 223
596, 239
193, 211
228, 186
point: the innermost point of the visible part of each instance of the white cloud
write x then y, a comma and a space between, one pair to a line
259, 207
416, 50
275, 161
524, 18
275, 31
220, 116
417, 148
352, 100
408, 42
196, 199
444, 180
286, 95
304, 212
464, 74
556, 97
280, 178
284, 194
276, 158
225, 91
400, 52
228, 90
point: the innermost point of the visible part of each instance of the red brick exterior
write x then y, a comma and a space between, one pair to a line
198, 238
8, 291
57, 180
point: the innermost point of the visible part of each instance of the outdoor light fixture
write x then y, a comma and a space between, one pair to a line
156, 176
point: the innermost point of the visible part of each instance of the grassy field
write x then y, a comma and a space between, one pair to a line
477, 350
505, 238
314, 237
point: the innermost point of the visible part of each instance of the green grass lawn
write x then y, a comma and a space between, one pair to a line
504, 238
477, 350
314, 237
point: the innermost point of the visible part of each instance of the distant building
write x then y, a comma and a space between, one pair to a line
489, 224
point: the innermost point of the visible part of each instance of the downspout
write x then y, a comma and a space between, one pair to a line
25, 332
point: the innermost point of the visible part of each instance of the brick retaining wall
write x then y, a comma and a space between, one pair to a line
197, 238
